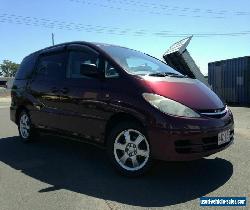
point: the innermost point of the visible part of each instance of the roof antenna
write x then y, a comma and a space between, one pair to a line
52, 36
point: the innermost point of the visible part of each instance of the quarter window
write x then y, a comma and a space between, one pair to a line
110, 71
26, 67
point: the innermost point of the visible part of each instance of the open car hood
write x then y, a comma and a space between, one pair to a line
179, 59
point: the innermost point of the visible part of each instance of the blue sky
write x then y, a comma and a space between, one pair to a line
26, 26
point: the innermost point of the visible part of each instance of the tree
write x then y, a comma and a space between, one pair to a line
8, 68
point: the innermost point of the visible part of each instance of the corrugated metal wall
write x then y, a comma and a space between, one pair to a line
230, 79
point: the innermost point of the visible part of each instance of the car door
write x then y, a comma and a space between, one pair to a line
44, 89
117, 91
81, 103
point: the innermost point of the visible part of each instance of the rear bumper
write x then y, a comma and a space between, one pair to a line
13, 114
189, 144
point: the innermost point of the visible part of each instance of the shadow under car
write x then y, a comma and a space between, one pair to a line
85, 169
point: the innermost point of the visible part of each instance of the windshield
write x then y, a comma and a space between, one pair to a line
135, 62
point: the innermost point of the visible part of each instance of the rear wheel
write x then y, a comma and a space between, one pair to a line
129, 149
26, 131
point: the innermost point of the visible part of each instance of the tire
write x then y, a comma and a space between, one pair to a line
129, 150
27, 132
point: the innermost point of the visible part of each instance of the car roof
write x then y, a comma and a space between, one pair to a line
91, 44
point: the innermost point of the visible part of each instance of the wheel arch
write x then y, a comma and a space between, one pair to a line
19, 110
121, 117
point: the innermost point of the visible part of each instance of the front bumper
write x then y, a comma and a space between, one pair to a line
189, 139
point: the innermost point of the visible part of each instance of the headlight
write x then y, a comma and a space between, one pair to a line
169, 106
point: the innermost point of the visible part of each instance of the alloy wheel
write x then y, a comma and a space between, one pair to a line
24, 126
131, 150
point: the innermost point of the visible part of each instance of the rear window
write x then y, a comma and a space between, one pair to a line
26, 67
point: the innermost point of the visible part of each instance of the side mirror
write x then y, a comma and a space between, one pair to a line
89, 70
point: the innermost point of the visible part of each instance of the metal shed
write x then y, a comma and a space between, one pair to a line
231, 79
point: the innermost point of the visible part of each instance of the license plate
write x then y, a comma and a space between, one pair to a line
223, 137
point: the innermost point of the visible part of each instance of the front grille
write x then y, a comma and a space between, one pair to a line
200, 145
214, 113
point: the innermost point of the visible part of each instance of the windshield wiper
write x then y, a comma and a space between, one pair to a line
164, 74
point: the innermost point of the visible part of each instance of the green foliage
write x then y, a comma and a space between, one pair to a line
8, 68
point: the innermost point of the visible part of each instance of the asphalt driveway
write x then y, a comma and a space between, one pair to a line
55, 173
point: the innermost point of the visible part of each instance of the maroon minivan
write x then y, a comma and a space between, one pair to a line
133, 104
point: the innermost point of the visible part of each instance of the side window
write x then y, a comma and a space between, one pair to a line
110, 71
76, 58
52, 66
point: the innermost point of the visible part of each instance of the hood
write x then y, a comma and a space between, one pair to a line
178, 57
190, 92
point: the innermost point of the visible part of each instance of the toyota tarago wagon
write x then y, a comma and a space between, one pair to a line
133, 104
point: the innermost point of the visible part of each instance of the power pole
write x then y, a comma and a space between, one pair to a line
53, 42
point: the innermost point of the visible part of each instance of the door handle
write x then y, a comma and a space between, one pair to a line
64, 90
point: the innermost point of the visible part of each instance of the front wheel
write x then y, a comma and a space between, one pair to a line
129, 149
